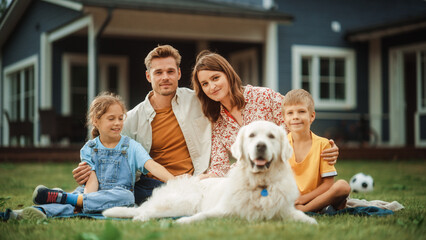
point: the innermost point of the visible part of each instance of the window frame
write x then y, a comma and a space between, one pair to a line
8, 75
421, 92
69, 59
315, 53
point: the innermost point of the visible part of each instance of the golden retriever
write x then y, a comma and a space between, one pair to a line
260, 186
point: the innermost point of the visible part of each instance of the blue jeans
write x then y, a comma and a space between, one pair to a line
144, 187
93, 202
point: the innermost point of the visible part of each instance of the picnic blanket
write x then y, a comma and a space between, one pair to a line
393, 206
6, 215
97, 216
358, 211
362, 207
359, 207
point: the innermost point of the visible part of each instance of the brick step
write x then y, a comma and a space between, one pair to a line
41, 154
382, 153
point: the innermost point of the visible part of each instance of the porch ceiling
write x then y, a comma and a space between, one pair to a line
194, 7
387, 29
152, 24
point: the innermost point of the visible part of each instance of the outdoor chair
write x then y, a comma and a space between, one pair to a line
18, 129
57, 127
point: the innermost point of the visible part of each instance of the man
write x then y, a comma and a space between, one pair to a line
169, 124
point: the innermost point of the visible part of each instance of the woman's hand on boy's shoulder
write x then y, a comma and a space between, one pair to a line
331, 154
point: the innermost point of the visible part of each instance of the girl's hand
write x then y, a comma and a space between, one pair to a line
206, 175
81, 173
300, 207
302, 200
158, 170
330, 155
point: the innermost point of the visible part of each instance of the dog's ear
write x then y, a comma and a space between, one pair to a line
237, 147
286, 149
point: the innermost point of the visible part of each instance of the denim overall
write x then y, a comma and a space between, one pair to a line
115, 183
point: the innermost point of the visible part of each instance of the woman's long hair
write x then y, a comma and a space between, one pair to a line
207, 60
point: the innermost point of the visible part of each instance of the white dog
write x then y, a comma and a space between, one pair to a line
261, 186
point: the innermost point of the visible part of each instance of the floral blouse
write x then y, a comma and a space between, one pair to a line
261, 104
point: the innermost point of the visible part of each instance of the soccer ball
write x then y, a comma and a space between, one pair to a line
361, 182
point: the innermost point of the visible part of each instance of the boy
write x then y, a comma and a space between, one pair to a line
314, 176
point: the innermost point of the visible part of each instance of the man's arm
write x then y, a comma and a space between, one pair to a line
81, 173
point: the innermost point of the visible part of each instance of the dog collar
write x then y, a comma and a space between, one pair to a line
264, 192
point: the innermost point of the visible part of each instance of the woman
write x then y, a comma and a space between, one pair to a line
229, 106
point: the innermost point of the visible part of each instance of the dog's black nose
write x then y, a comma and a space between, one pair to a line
261, 147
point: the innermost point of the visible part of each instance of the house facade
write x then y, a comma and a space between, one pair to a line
363, 62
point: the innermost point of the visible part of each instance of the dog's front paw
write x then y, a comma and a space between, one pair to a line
184, 220
108, 213
311, 220
300, 216
141, 218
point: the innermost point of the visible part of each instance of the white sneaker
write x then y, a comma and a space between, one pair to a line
30, 213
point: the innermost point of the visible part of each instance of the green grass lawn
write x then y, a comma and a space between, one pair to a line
403, 181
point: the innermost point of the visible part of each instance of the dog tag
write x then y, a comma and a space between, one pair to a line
264, 192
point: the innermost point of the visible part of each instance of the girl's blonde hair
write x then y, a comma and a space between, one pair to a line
99, 107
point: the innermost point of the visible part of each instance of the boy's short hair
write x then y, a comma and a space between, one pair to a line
299, 96
162, 51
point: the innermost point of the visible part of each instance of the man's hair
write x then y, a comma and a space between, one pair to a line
162, 51
207, 60
299, 96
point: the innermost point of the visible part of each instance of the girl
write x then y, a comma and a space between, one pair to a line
114, 160
229, 106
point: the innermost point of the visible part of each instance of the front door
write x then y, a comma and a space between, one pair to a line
408, 96
112, 78
410, 81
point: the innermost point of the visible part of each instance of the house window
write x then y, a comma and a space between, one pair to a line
79, 90
112, 78
22, 94
20, 102
422, 81
327, 73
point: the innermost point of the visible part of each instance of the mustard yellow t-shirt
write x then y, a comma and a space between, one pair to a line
310, 172
168, 144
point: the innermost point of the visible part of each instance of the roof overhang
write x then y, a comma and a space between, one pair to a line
18, 7
12, 16
385, 30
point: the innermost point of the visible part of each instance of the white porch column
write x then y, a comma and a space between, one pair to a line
46, 42
45, 80
397, 106
91, 72
375, 87
271, 57
45, 72
2, 117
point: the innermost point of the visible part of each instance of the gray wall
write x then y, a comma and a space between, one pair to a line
25, 40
